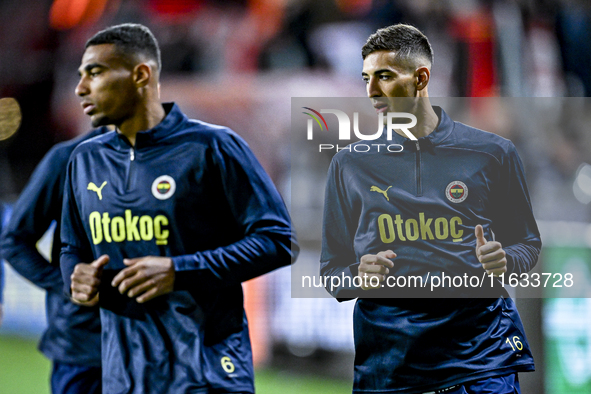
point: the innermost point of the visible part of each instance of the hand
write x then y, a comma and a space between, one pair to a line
145, 277
375, 265
490, 254
86, 280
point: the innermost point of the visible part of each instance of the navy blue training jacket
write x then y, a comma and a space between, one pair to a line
73, 333
424, 203
2, 274
195, 192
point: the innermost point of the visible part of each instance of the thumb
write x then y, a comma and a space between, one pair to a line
100, 262
390, 254
479, 232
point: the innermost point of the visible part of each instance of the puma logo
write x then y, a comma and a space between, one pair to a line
98, 190
384, 192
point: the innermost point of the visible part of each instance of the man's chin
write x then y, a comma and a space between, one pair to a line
98, 121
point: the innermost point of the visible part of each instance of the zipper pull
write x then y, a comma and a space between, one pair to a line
418, 146
132, 154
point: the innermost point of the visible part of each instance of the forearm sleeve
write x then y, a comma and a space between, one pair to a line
516, 227
268, 238
38, 205
338, 257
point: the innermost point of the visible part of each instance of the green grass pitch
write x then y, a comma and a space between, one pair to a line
23, 370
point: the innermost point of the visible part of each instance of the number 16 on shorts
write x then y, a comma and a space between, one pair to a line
515, 343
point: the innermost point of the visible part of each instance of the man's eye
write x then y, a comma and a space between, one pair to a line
384, 77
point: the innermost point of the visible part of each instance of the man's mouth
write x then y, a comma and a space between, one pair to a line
87, 107
380, 107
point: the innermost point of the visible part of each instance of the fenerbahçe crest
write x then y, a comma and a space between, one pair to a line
456, 191
163, 187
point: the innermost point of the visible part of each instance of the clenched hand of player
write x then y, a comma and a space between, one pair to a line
145, 277
490, 254
86, 279
375, 265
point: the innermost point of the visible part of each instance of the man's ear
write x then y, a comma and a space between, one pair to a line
422, 75
142, 73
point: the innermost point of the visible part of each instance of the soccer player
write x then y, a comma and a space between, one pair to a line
444, 196
72, 337
1, 267
162, 221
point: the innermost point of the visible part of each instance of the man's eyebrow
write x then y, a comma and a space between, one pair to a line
378, 72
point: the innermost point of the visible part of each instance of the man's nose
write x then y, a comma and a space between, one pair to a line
82, 87
373, 88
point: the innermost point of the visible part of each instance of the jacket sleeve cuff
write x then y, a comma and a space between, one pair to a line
185, 263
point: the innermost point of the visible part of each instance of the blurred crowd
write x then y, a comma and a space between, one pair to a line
252, 55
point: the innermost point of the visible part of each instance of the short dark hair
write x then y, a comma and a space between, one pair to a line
407, 41
129, 38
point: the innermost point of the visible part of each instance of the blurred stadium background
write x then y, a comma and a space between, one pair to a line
238, 63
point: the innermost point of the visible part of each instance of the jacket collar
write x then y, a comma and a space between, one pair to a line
174, 117
436, 137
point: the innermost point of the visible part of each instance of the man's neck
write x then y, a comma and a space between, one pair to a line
427, 119
144, 120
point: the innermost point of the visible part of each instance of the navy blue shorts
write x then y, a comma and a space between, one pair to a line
75, 379
507, 384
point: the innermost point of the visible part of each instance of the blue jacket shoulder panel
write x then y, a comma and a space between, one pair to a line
467, 137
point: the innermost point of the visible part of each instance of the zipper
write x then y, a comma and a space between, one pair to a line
418, 170
130, 168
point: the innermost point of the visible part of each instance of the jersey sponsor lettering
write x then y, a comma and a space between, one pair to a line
424, 228
128, 228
